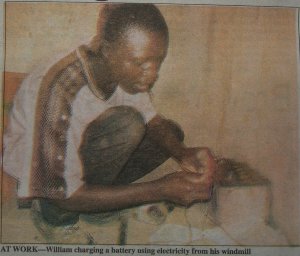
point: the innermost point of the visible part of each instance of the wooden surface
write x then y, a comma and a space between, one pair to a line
12, 81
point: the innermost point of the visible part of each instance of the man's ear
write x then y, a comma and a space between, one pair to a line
106, 49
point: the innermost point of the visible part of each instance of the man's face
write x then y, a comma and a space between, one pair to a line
135, 59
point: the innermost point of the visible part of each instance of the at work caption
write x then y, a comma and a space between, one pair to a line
122, 250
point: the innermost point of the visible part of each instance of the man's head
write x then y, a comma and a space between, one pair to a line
134, 42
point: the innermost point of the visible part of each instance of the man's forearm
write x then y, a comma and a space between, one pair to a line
197, 159
97, 198
162, 133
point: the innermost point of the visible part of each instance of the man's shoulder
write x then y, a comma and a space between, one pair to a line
55, 84
51, 68
65, 67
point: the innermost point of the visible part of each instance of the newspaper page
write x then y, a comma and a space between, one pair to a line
150, 128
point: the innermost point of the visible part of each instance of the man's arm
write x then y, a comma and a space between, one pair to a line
162, 133
199, 159
182, 188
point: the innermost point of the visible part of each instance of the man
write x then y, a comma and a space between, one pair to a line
82, 130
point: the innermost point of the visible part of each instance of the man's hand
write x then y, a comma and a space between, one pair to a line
198, 160
186, 188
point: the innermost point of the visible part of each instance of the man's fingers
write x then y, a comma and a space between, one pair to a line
188, 169
186, 188
200, 196
196, 177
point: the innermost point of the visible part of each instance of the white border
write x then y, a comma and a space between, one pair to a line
259, 251
273, 3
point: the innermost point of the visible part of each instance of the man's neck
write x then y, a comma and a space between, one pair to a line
100, 77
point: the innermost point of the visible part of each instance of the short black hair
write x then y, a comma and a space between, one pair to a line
125, 16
